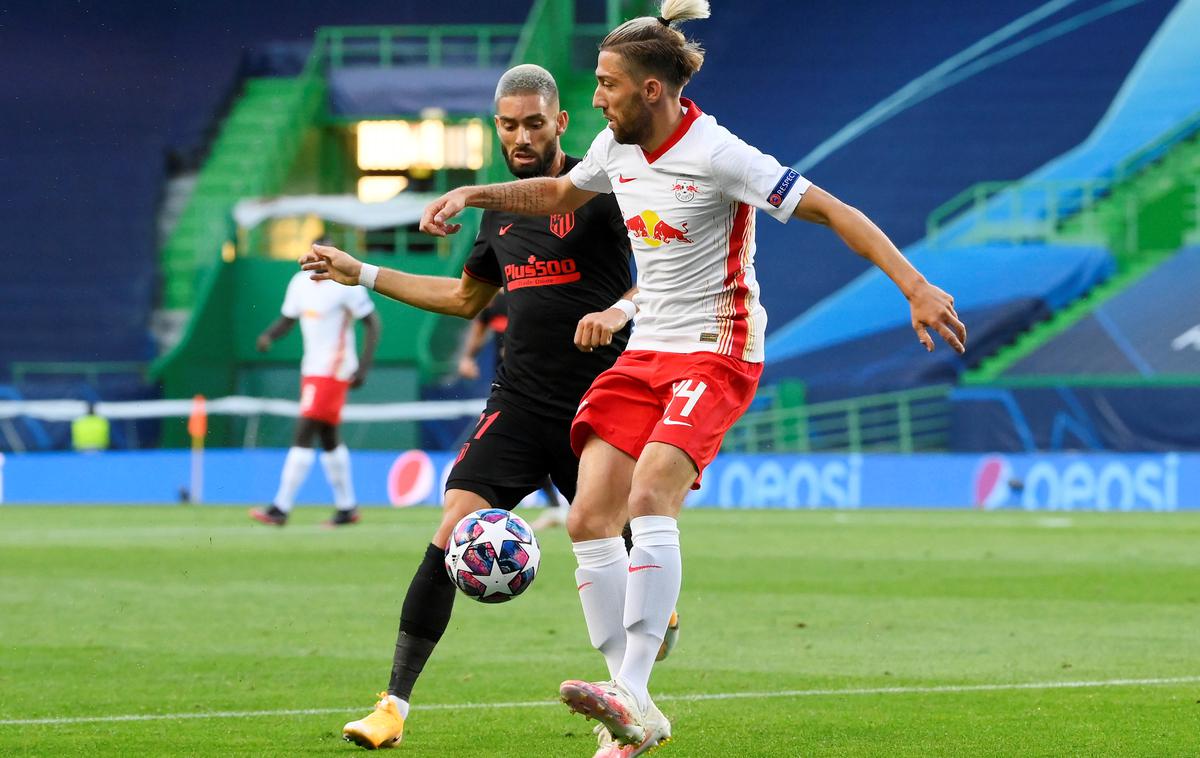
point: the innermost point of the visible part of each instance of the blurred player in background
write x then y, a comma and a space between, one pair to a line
491, 324
646, 428
567, 282
330, 367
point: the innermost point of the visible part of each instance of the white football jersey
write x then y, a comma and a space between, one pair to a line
689, 209
326, 312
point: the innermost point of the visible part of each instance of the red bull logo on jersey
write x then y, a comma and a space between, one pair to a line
535, 273
654, 231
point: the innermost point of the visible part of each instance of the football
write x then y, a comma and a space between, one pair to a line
492, 555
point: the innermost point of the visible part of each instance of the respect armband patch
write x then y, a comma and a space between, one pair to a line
786, 182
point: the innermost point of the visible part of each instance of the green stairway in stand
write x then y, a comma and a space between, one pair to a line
251, 156
1144, 220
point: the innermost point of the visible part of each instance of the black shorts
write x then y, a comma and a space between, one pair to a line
511, 451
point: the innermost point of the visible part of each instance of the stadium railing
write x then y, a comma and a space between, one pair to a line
905, 421
251, 409
89, 371
434, 46
1098, 209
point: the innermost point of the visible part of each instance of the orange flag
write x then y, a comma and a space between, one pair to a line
198, 421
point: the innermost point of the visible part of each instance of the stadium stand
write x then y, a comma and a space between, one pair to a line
860, 341
295, 135
88, 140
1148, 330
1117, 371
284, 132
849, 328
824, 66
1159, 95
1126, 376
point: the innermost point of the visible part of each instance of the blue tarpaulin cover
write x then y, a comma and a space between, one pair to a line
370, 91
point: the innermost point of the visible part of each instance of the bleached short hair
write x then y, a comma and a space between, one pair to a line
527, 79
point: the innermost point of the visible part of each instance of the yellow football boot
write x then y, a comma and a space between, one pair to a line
382, 727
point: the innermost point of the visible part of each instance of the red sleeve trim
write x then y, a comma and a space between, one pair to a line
483, 279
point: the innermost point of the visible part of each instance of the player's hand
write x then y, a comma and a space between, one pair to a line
468, 368
933, 308
325, 262
438, 213
596, 329
359, 378
263, 343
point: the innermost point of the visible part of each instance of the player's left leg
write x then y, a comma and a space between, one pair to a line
296, 466
500, 464
335, 459
424, 618
660, 481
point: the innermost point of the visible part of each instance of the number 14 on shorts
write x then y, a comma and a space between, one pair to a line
684, 396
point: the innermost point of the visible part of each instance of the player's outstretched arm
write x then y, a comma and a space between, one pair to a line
440, 294
597, 329
372, 326
931, 307
477, 336
280, 327
531, 197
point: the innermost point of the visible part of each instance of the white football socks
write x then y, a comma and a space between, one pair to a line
336, 463
601, 577
401, 705
295, 470
655, 573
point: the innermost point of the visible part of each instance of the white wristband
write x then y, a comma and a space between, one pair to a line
625, 306
367, 274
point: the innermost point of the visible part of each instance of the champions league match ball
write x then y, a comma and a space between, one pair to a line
492, 555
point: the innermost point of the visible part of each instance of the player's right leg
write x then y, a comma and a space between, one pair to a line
335, 459
594, 524
296, 465
423, 619
500, 464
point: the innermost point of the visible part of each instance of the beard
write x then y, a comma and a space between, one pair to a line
540, 166
634, 128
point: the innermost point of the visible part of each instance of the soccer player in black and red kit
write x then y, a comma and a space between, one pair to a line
491, 322
567, 280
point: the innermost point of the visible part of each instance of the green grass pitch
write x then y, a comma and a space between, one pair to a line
823, 633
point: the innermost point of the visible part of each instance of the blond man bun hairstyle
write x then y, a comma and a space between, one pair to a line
683, 10
654, 47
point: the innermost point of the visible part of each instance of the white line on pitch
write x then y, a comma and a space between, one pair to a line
914, 690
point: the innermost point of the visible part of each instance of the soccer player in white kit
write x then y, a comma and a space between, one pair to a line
331, 366
689, 192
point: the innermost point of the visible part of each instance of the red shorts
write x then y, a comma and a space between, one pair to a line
688, 400
322, 398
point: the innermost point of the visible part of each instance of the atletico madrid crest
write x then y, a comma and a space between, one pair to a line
562, 224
